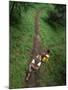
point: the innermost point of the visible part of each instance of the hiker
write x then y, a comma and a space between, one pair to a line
37, 61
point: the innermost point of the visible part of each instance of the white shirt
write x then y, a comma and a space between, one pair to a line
33, 62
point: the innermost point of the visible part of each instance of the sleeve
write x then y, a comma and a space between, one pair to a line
47, 56
39, 64
33, 61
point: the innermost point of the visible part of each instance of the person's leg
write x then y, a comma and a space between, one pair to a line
30, 69
27, 78
29, 73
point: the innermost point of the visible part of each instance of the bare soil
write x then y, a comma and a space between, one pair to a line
34, 80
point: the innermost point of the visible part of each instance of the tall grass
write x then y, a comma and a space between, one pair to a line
21, 43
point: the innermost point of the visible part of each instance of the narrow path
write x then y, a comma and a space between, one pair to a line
33, 81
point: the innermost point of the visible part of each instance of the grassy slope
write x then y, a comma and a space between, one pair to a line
54, 71
21, 45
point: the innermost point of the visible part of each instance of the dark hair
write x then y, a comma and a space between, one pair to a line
48, 51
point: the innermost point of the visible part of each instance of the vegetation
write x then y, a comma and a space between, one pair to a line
56, 16
22, 16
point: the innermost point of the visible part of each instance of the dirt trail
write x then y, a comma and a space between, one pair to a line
33, 81
37, 40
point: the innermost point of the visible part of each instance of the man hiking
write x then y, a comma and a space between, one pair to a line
37, 61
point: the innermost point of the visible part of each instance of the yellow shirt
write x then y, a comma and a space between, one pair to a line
45, 59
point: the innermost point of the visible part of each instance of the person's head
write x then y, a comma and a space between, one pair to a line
48, 51
44, 52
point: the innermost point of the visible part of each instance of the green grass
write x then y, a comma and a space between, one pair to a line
52, 73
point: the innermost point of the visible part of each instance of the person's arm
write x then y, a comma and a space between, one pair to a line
38, 65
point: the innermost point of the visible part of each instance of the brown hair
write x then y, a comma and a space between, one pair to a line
48, 51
